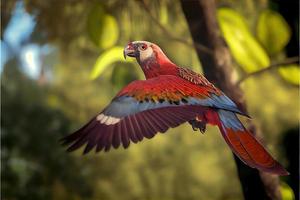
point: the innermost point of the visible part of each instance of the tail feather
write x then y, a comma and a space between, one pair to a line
245, 146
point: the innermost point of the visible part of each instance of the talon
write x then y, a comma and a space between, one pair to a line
194, 126
202, 129
202, 126
197, 124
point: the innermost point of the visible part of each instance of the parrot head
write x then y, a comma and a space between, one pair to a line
150, 57
141, 50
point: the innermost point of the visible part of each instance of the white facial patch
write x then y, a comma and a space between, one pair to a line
146, 54
107, 120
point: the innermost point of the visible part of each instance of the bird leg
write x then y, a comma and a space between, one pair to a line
193, 123
198, 124
202, 126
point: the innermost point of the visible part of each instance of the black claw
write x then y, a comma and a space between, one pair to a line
202, 129
201, 125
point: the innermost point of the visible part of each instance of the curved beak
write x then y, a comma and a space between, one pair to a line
129, 50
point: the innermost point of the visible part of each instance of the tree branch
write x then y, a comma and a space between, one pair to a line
198, 46
203, 25
284, 63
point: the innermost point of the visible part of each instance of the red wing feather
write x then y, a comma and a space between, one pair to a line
249, 150
130, 128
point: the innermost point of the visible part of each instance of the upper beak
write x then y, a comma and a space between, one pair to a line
129, 51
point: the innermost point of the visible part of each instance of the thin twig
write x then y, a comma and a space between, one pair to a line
284, 63
200, 47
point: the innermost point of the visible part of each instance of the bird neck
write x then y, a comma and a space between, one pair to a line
158, 64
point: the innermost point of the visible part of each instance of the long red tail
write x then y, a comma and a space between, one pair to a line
245, 146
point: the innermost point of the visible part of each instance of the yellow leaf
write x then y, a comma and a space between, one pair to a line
106, 59
273, 31
290, 73
286, 192
246, 51
102, 27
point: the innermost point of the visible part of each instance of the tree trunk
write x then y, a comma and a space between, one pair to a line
203, 25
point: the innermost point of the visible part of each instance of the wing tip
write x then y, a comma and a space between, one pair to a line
72, 142
66, 140
78, 138
277, 169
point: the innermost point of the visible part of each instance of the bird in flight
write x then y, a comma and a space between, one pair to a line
170, 96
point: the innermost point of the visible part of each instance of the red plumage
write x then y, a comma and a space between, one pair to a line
249, 150
169, 96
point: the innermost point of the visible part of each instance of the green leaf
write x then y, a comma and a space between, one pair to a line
273, 31
247, 52
290, 73
102, 27
106, 59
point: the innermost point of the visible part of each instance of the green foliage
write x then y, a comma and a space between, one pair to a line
180, 164
163, 13
106, 59
290, 73
32, 158
273, 31
247, 52
102, 27
122, 74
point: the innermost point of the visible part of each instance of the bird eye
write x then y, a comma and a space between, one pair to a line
143, 47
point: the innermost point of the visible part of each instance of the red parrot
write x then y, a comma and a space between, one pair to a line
169, 96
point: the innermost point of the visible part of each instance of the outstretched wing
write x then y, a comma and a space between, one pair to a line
195, 78
202, 82
144, 108
102, 134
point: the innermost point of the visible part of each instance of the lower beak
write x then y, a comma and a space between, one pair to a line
129, 51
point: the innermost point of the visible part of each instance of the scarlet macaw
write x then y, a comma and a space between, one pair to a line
169, 96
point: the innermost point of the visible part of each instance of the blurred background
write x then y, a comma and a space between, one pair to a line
62, 62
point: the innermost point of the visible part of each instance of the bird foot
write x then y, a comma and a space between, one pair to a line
202, 127
196, 124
